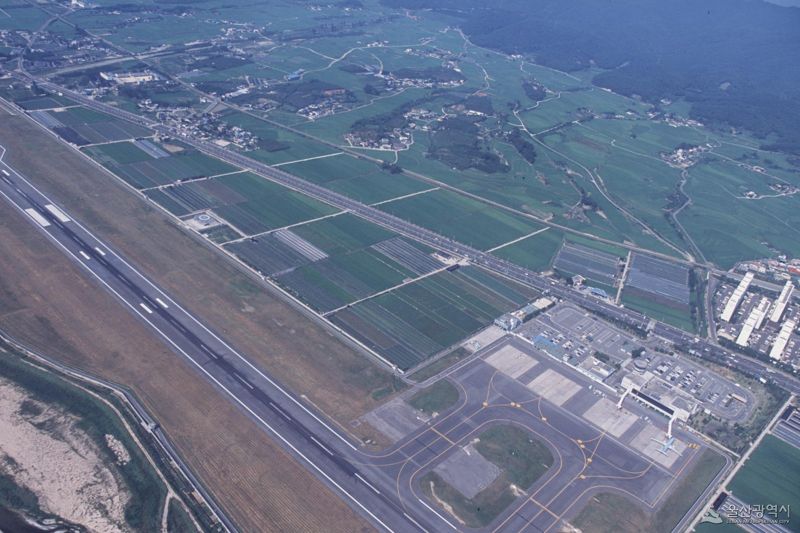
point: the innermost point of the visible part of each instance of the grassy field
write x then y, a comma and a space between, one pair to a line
460, 218
178, 521
343, 234
609, 512
437, 398
247, 201
769, 477
333, 282
141, 170
687, 490
522, 460
535, 253
358, 179
516, 452
440, 364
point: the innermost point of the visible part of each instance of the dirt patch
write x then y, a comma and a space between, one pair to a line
61, 313
261, 324
44, 450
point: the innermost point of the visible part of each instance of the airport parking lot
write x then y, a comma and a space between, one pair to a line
605, 353
720, 396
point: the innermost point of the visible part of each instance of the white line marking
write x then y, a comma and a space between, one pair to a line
58, 213
321, 445
208, 351
99, 251
446, 521
5, 172
280, 411
425, 191
38, 218
367, 483
307, 159
143, 306
411, 519
243, 381
161, 303
84, 255
215, 380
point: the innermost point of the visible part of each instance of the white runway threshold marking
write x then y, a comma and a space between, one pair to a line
84, 255
58, 213
39, 219
143, 306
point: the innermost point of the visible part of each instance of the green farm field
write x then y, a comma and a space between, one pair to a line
586, 142
361, 180
769, 477
141, 170
249, 202
463, 219
677, 317
414, 322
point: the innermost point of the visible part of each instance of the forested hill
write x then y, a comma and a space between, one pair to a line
736, 61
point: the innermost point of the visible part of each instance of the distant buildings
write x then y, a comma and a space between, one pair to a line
754, 321
736, 297
782, 301
128, 78
783, 338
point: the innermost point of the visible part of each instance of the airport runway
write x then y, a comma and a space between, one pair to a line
299, 430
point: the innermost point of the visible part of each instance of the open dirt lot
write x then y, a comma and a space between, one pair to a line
46, 303
47, 453
257, 322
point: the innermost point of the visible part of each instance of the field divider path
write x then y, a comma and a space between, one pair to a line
290, 226
623, 277
384, 291
192, 180
509, 243
325, 156
409, 195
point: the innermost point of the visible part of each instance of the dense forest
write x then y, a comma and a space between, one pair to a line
736, 61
